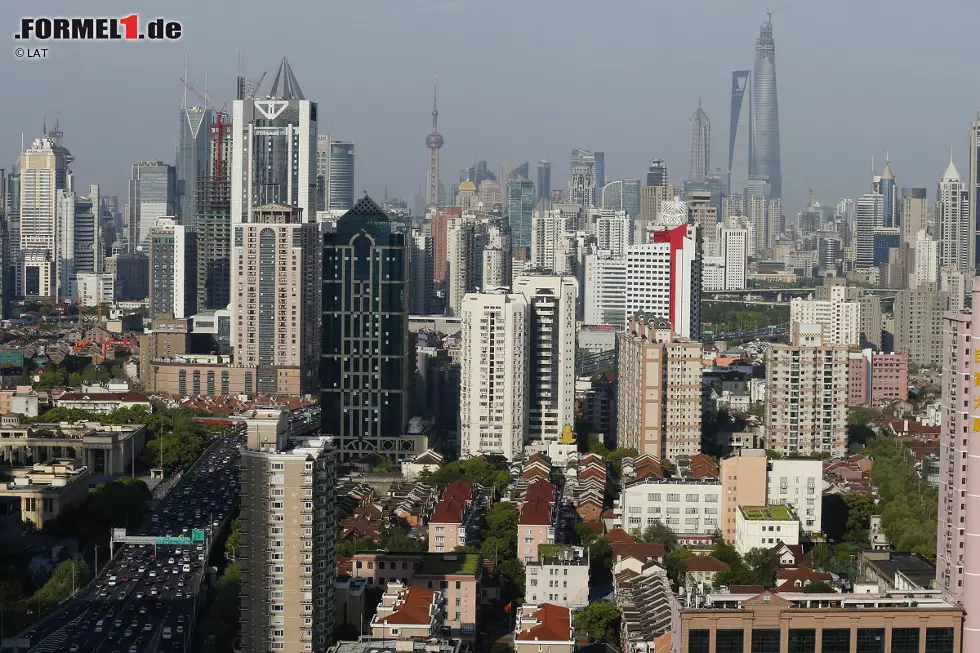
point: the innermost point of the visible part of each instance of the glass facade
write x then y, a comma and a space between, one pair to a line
802, 640
365, 358
520, 210
341, 186
871, 640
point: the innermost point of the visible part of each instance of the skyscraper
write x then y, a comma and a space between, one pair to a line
520, 209
956, 232
765, 113
888, 188
192, 157
739, 133
544, 181
600, 168
275, 299
434, 141
43, 172
700, 155
274, 153
287, 516
582, 180
914, 210
551, 353
657, 173
213, 222
364, 369
869, 215
322, 171
340, 187
172, 251
152, 195
974, 190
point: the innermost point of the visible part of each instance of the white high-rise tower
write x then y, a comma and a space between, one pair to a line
953, 220
274, 150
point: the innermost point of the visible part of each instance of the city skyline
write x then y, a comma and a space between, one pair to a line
388, 139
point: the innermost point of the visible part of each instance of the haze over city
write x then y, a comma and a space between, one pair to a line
526, 81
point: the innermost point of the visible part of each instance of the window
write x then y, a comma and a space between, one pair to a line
698, 641
802, 640
765, 641
836, 640
871, 640
905, 640
939, 640
729, 641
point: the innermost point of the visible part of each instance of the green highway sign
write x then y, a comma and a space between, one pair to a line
197, 535
173, 540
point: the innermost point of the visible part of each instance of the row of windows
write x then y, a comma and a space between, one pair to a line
833, 640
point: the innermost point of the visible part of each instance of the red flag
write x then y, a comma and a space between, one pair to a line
508, 607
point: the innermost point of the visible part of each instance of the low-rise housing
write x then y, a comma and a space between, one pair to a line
562, 579
762, 527
544, 628
43, 491
457, 575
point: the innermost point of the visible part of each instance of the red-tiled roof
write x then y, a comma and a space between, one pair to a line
448, 511
535, 513
411, 608
554, 624
345, 567
460, 489
593, 472
703, 466
642, 552
540, 490
704, 563
791, 579
619, 535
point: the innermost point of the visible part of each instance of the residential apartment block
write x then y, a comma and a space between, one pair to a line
288, 530
659, 383
806, 394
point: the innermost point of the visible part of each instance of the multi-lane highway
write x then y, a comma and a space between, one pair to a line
144, 600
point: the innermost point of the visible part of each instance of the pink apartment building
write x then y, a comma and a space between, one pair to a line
958, 534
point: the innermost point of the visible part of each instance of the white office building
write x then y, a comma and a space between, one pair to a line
605, 290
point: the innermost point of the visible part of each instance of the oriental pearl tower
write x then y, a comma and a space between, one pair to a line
434, 142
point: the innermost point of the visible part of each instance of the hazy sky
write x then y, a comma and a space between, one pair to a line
524, 80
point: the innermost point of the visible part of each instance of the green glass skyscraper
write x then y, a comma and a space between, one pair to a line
364, 365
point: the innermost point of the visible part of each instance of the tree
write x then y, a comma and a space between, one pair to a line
723, 551
860, 507
514, 579
764, 564
820, 587
583, 534
674, 564
600, 621
819, 558
600, 561
234, 542
658, 533
383, 466
27, 527
503, 517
